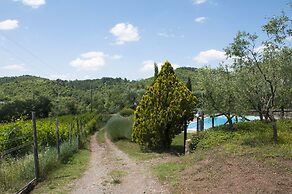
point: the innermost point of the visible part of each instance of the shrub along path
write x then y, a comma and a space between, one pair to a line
112, 171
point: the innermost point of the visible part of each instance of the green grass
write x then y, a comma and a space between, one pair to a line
100, 136
119, 127
15, 173
116, 176
57, 181
134, 150
177, 144
251, 140
169, 171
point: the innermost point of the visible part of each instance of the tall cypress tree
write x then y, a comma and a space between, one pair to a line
189, 84
163, 111
155, 71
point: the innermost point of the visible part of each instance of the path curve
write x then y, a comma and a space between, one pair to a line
106, 158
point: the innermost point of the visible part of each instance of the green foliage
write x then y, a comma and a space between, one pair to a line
46, 130
221, 94
155, 71
189, 84
196, 138
14, 174
110, 95
58, 180
252, 134
164, 109
15, 110
125, 112
262, 71
134, 151
116, 175
119, 127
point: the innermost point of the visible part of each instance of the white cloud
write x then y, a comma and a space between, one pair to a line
200, 1
8, 24
15, 67
200, 19
34, 3
66, 76
259, 49
212, 55
165, 35
148, 66
116, 57
89, 61
125, 33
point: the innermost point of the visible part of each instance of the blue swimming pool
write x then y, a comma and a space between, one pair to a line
220, 120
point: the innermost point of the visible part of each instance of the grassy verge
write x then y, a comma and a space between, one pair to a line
116, 176
58, 181
100, 136
134, 151
250, 147
119, 127
15, 173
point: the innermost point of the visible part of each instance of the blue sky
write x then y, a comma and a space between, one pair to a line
86, 39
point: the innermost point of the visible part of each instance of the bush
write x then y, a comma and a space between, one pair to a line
252, 134
196, 138
92, 125
119, 127
67, 150
125, 112
163, 111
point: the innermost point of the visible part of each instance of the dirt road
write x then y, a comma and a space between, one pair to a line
112, 171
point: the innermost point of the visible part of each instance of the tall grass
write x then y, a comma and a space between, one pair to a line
119, 127
247, 135
15, 173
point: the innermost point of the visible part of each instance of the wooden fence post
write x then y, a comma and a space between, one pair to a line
185, 136
80, 128
213, 120
202, 122
35, 148
70, 133
198, 124
57, 138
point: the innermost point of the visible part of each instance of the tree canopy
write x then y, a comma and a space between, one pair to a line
163, 111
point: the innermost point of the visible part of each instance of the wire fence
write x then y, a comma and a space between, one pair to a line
18, 144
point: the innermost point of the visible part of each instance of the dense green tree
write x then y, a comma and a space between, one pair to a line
266, 63
163, 111
221, 95
155, 71
189, 84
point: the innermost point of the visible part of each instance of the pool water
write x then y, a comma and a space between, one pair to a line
220, 120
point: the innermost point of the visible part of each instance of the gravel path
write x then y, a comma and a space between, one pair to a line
112, 171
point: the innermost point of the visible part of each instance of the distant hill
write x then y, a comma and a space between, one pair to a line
108, 94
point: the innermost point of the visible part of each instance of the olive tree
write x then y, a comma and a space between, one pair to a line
264, 63
221, 94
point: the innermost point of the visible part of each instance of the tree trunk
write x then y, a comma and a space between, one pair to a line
274, 126
230, 124
166, 141
282, 112
275, 131
261, 115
